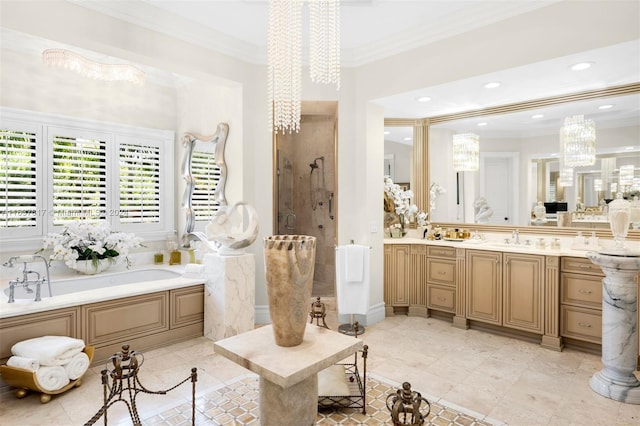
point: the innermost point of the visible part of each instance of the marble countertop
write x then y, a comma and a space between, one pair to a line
257, 351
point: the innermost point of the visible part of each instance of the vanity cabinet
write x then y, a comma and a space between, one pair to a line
418, 280
396, 277
581, 300
506, 289
484, 286
441, 278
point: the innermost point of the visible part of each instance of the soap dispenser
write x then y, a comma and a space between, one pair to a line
175, 257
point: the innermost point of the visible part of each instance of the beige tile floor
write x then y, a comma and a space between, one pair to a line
505, 379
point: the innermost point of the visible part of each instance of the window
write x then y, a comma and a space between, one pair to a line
54, 170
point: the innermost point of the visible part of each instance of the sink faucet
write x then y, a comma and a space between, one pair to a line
516, 236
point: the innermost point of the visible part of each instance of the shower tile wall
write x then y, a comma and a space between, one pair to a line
316, 139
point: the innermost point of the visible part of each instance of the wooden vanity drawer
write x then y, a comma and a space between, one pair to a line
441, 298
447, 252
582, 324
580, 265
584, 290
441, 271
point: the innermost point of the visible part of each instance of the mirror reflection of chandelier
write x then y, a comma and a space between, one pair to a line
578, 141
284, 56
61, 58
466, 152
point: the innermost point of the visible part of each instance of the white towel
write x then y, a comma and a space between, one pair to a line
77, 366
49, 350
22, 362
51, 378
194, 270
352, 296
354, 262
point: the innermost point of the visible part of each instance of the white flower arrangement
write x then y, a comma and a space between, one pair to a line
402, 200
90, 241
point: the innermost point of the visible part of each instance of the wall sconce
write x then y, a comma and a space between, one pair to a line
466, 152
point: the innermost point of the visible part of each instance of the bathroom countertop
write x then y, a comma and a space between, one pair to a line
494, 243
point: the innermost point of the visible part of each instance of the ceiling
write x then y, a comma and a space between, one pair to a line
374, 29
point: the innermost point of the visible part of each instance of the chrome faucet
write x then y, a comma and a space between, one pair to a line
25, 281
516, 236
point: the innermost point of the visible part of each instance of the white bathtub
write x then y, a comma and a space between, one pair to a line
84, 289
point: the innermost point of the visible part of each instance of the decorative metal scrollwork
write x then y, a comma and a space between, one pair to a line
405, 409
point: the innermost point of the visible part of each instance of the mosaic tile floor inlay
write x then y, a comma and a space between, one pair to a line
236, 403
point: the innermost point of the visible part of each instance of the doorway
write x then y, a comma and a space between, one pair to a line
305, 196
499, 184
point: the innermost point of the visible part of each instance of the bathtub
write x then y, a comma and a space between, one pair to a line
83, 289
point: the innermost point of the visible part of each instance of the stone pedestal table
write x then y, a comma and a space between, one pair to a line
288, 375
619, 327
229, 300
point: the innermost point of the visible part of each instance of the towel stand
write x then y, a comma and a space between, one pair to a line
350, 329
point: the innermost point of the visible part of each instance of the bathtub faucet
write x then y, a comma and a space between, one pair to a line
26, 281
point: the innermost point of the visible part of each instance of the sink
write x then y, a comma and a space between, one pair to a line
511, 246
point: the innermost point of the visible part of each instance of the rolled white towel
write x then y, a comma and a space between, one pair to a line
49, 350
51, 378
194, 270
22, 362
77, 366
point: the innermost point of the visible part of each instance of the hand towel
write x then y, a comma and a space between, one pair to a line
24, 363
49, 350
51, 378
352, 296
194, 270
354, 262
77, 366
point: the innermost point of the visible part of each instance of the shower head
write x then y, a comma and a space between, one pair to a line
314, 165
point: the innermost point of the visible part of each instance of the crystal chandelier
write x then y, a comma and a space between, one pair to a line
466, 152
578, 141
284, 56
565, 177
60, 58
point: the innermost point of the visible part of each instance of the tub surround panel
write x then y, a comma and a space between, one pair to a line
186, 306
229, 298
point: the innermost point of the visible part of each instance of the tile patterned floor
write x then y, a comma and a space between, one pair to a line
236, 404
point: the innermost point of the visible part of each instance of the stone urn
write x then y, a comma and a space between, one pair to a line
289, 262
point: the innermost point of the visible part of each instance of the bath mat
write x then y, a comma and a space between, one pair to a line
236, 403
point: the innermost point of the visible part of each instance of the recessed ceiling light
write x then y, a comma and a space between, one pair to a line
482, 124
408, 138
492, 85
537, 116
423, 99
607, 106
581, 66
386, 132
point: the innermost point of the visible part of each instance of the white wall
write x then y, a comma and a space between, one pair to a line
535, 36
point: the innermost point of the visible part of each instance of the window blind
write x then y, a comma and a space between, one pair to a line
18, 179
139, 183
79, 179
206, 175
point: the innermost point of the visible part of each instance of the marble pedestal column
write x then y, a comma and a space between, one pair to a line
229, 299
619, 328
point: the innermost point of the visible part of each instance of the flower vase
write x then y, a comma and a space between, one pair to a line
289, 264
89, 267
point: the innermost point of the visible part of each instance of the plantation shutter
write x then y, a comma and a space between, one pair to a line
18, 178
206, 175
79, 179
139, 183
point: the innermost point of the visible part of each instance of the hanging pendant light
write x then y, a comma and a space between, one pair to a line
466, 152
578, 141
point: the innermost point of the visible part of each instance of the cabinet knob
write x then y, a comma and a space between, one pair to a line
584, 291
582, 324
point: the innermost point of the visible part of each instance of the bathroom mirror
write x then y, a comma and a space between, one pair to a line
205, 173
516, 139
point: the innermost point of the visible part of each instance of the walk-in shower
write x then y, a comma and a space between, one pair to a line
317, 187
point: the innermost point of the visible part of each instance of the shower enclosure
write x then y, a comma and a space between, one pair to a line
305, 192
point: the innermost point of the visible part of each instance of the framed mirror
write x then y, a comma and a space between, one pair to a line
520, 143
205, 173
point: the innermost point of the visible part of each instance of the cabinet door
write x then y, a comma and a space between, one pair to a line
523, 292
400, 289
484, 286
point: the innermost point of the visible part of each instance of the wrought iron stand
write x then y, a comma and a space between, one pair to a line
124, 380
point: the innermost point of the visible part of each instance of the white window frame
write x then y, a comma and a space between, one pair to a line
45, 125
